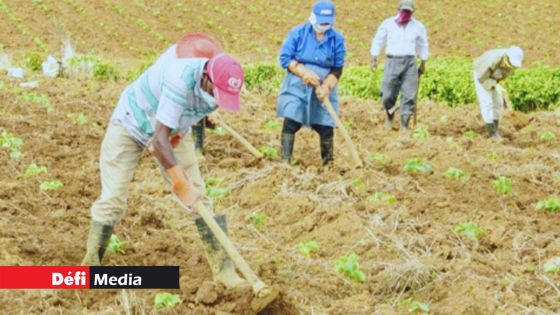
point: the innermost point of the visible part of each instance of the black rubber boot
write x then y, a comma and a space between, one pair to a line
223, 270
405, 119
287, 147
388, 120
327, 149
98, 239
492, 130
198, 135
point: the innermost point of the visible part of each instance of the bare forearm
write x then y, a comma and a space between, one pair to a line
162, 149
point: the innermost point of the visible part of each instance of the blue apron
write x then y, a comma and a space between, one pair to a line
298, 101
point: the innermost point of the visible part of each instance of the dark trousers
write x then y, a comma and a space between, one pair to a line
292, 126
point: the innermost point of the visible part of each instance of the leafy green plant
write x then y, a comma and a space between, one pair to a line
421, 134
550, 205
307, 248
268, 151
493, 156
455, 173
213, 181
13, 143
77, 119
381, 158
414, 306
33, 61
470, 230
272, 125
166, 300
52, 185
116, 245
40, 99
548, 136
258, 218
217, 192
552, 266
218, 131
382, 196
349, 266
417, 165
105, 71
471, 134
503, 185
34, 170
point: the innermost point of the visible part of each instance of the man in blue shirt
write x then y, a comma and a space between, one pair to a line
314, 56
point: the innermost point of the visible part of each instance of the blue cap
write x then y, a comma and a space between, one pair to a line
324, 11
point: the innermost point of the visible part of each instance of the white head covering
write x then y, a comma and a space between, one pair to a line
515, 55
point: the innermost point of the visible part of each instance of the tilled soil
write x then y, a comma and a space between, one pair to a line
407, 249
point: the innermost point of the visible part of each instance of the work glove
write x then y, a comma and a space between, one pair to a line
182, 188
307, 75
373, 63
324, 90
174, 140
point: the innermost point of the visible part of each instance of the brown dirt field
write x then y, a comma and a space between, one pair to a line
254, 30
407, 249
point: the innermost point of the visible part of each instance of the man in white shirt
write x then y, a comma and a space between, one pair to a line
405, 38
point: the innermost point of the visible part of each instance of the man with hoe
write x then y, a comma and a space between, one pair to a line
405, 38
156, 112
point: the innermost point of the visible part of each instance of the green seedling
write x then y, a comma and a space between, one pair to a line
349, 123
349, 266
551, 205
417, 165
166, 300
382, 196
381, 158
40, 99
307, 248
552, 266
470, 230
34, 61
34, 170
213, 181
52, 185
421, 134
503, 185
493, 156
272, 125
258, 218
455, 173
531, 150
116, 245
217, 192
219, 131
471, 134
268, 151
77, 119
11, 142
443, 120
414, 306
548, 136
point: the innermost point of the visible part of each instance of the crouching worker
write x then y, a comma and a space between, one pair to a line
157, 111
490, 69
313, 55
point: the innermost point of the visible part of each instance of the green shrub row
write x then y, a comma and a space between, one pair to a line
447, 81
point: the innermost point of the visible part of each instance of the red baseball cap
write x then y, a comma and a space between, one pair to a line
227, 76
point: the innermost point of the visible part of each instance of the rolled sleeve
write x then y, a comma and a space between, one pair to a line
288, 51
379, 40
422, 46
